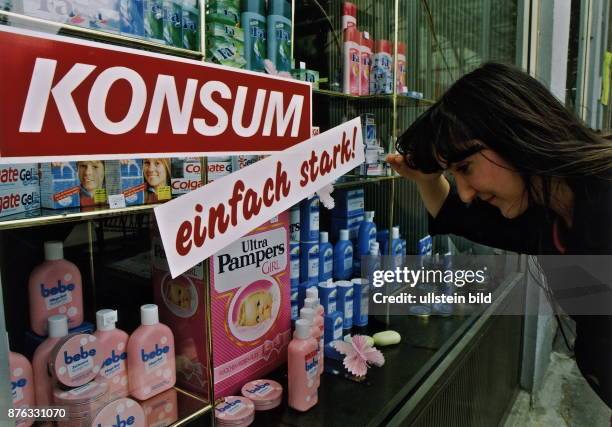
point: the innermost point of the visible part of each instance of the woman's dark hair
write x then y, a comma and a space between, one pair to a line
515, 116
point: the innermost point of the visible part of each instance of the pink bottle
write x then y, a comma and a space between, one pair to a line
302, 367
151, 363
55, 287
310, 315
112, 343
58, 328
161, 410
22, 386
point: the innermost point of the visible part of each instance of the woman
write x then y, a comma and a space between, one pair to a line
157, 178
528, 177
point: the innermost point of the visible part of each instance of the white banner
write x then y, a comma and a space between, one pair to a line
198, 224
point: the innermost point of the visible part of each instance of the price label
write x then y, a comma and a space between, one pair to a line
116, 201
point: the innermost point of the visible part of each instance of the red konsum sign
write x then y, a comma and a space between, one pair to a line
62, 98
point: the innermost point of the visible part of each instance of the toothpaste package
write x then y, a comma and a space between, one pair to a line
59, 185
75, 12
186, 175
132, 18
104, 15
125, 177
218, 167
19, 200
91, 182
242, 161
251, 306
17, 176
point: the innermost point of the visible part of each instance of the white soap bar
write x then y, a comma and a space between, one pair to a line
387, 338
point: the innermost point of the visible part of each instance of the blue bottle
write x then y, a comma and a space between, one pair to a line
361, 301
279, 34
343, 257
397, 247
309, 219
326, 257
382, 237
367, 236
344, 302
294, 303
253, 22
309, 261
327, 296
294, 250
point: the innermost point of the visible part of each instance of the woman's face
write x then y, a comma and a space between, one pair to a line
91, 175
489, 177
155, 172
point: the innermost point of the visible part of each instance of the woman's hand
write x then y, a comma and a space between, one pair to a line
399, 165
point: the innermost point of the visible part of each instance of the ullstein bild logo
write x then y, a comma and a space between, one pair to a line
79, 98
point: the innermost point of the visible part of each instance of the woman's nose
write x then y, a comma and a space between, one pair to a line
466, 192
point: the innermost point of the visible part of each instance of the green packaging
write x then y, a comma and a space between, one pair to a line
225, 45
173, 26
312, 76
153, 21
191, 25
223, 12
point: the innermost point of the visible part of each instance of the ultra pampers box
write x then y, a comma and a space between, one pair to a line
251, 306
59, 185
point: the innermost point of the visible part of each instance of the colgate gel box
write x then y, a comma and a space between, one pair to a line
182, 307
186, 175
251, 307
18, 176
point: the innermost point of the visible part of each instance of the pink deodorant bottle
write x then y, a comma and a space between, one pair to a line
151, 362
112, 343
22, 386
302, 367
55, 287
58, 328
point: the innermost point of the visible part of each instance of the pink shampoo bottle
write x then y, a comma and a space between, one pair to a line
151, 362
112, 343
22, 386
302, 367
310, 315
55, 287
58, 328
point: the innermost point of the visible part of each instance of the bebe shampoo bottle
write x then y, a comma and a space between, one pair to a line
151, 363
55, 287
22, 386
112, 342
316, 333
58, 328
302, 367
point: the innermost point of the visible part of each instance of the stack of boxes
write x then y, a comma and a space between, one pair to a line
348, 213
224, 38
19, 189
170, 22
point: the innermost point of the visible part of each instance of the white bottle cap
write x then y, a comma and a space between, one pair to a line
58, 325
395, 233
323, 237
106, 319
369, 216
344, 234
307, 313
374, 246
149, 315
366, 35
312, 292
311, 303
302, 329
54, 250
329, 284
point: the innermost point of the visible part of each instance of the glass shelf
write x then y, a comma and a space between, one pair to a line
402, 100
31, 23
352, 181
190, 407
56, 216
